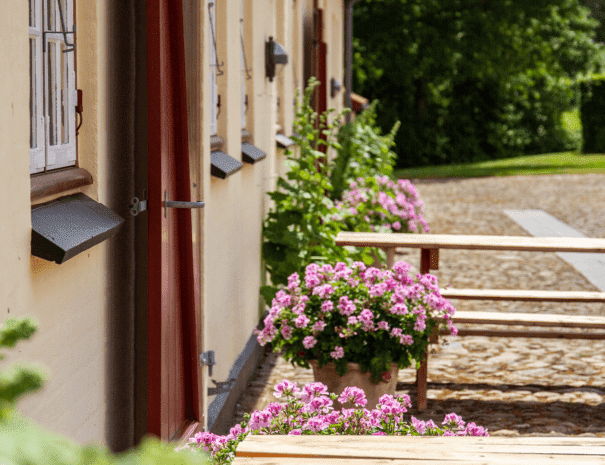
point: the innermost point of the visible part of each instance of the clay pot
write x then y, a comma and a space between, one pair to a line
354, 377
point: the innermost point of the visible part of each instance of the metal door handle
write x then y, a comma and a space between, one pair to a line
176, 204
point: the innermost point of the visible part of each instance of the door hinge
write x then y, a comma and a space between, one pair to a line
221, 387
207, 358
137, 205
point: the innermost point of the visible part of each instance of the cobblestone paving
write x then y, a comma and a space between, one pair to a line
512, 386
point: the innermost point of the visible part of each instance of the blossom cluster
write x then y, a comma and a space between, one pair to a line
379, 204
335, 310
310, 411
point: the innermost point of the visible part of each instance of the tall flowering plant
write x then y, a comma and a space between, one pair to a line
356, 314
310, 411
379, 204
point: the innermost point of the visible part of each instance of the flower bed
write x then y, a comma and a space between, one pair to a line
310, 411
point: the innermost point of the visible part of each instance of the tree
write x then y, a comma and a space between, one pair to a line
472, 79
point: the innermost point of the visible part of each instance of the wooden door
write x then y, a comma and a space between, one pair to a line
174, 402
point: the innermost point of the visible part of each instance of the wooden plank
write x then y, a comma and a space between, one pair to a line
530, 319
532, 450
523, 295
472, 242
529, 333
495, 460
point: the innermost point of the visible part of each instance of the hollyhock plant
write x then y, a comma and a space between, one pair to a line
379, 204
367, 316
310, 411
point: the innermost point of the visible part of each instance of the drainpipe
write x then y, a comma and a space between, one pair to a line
349, 4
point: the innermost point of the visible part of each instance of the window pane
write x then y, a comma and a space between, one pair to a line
33, 108
64, 97
52, 93
32, 13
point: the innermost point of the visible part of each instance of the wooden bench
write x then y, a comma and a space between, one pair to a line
429, 260
411, 450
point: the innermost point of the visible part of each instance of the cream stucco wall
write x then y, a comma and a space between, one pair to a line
68, 301
73, 302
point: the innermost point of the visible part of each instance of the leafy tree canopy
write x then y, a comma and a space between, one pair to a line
513, 60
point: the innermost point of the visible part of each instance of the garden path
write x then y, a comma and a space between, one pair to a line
512, 386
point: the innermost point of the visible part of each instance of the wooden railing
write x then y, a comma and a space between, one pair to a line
429, 244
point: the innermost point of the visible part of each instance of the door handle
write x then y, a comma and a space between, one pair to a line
176, 204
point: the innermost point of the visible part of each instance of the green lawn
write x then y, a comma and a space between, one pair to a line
551, 163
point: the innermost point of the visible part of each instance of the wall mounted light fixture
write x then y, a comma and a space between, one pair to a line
335, 87
275, 54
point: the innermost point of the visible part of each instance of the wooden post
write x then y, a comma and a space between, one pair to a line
425, 260
390, 251
422, 374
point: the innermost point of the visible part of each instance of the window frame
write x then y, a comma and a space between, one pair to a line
52, 69
213, 71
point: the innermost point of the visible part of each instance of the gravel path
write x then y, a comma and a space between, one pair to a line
512, 386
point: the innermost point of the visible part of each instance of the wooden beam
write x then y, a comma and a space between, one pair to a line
468, 242
523, 295
530, 319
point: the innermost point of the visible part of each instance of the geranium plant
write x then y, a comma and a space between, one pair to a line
379, 204
310, 411
356, 314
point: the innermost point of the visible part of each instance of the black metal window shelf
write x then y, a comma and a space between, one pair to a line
222, 165
283, 141
251, 154
65, 227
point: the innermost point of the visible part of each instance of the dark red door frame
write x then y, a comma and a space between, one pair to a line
321, 71
169, 170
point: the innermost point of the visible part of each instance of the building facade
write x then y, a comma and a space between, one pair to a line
83, 104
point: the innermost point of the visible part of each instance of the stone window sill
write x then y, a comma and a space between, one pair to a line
54, 182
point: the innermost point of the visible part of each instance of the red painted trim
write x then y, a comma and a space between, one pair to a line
172, 320
154, 350
183, 186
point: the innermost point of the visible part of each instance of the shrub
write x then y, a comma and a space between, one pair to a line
380, 204
363, 151
591, 113
297, 230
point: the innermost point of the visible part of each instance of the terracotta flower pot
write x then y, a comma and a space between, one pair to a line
355, 377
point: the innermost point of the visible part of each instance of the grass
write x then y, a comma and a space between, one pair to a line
550, 163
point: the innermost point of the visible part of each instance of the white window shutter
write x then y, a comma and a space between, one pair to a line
37, 159
213, 87
60, 116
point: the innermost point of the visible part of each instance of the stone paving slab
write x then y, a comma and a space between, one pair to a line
540, 224
512, 386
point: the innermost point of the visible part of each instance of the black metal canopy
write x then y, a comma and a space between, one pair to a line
65, 227
222, 165
251, 154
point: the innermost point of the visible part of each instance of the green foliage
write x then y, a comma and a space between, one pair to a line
19, 380
22, 442
363, 151
473, 80
591, 111
297, 230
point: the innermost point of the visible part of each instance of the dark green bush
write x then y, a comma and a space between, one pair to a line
592, 111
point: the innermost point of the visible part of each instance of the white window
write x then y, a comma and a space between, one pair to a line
213, 70
52, 85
